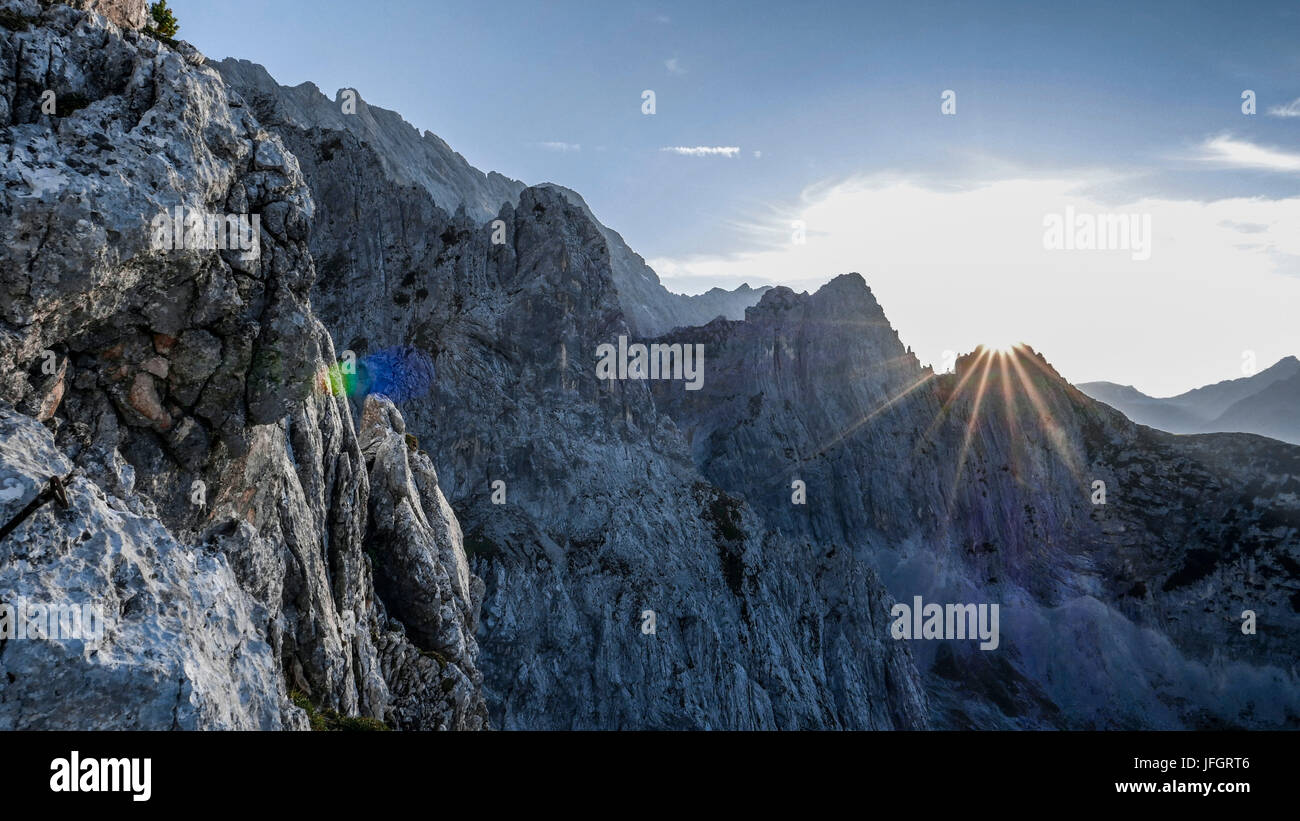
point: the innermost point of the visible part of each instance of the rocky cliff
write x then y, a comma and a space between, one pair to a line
227, 517
986, 499
602, 518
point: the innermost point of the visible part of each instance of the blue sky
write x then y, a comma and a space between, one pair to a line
1120, 106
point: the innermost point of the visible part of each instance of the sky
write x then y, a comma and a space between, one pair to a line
791, 143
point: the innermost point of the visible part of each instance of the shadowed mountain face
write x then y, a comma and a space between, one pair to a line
649, 308
1267, 403
1273, 412
979, 487
522, 543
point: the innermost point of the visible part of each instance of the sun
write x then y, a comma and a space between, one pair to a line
1000, 344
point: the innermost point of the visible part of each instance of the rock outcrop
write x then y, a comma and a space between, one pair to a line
125, 14
177, 644
188, 379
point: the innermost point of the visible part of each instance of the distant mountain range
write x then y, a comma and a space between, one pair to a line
1267, 403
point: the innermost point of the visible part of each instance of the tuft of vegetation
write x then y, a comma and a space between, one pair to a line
164, 25
328, 720
436, 656
412, 444
476, 545
724, 512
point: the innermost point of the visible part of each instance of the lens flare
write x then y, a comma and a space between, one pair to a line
402, 374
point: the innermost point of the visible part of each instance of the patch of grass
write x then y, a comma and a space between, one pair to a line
328, 720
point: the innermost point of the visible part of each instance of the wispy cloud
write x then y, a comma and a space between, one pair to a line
1242, 154
1291, 109
561, 146
704, 150
674, 67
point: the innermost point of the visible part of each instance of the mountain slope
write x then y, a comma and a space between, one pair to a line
522, 543
650, 308
1273, 411
606, 516
603, 516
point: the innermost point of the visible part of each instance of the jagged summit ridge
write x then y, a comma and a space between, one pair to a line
406, 158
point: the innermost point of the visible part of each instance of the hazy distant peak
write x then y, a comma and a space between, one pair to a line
1265, 403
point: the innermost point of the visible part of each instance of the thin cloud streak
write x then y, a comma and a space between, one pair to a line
703, 150
561, 146
1236, 153
1291, 109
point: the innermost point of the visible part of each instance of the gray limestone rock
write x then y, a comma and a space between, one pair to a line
193, 386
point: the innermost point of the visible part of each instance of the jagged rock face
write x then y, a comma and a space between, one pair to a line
649, 308
405, 156
603, 516
603, 519
190, 382
126, 14
642, 563
978, 487
422, 576
179, 646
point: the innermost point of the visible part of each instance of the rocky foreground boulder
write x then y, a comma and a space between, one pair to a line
222, 492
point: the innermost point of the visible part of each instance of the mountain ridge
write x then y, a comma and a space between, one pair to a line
1225, 406
426, 160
